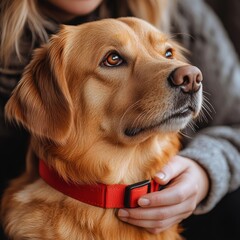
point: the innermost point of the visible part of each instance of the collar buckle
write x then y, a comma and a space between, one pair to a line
134, 191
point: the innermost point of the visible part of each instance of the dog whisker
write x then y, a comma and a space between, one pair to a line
131, 107
185, 135
138, 119
192, 125
207, 103
207, 110
176, 35
205, 92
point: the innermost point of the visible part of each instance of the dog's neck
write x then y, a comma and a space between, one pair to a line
109, 164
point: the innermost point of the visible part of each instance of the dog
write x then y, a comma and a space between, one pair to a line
104, 103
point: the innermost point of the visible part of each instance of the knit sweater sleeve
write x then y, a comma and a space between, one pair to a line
217, 146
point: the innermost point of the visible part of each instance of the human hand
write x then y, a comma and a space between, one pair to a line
187, 186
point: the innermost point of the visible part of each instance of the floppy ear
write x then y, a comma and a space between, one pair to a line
41, 102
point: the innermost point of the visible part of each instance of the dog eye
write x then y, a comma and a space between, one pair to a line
113, 60
169, 53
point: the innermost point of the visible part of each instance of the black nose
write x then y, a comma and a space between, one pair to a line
188, 78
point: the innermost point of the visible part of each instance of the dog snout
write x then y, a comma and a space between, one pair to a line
187, 78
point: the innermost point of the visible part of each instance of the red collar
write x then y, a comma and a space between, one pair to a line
100, 195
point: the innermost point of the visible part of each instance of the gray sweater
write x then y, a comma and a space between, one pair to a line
216, 143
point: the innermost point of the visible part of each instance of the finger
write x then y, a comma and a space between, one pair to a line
158, 224
174, 168
175, 193
159, 213
159, 230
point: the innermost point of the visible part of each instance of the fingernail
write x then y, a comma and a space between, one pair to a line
143, 202
124, 219
123, 213
161, 175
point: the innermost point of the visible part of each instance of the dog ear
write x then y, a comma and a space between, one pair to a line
41, 102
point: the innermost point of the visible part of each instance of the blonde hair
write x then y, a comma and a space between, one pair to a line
16, 15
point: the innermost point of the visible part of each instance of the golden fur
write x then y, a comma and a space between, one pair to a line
77, 110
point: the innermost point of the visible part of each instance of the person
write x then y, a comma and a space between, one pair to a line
208, 166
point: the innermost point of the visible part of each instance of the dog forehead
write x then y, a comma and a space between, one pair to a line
120, 31
108, 29
144, 29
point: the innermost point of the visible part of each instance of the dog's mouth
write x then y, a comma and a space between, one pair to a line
176, 121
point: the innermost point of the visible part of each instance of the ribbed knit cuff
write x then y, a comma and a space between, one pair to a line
207, 152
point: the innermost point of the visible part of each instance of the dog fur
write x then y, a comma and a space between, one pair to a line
77, 110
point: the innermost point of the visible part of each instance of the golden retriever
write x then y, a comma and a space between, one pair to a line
103, 102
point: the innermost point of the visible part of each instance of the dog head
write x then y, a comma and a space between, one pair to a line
118, 81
